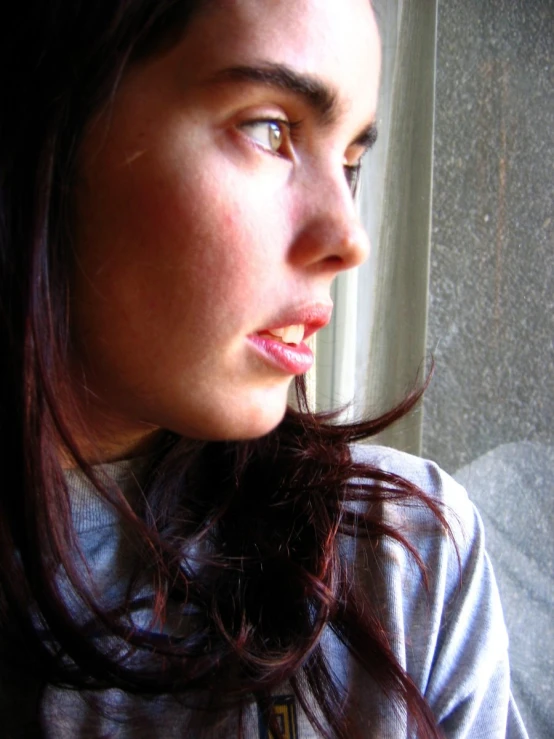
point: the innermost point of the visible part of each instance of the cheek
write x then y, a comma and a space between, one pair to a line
228, 235
177, 249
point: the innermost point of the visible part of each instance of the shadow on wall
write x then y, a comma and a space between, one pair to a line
513, 488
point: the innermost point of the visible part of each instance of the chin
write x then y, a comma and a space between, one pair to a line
239, 422
252, 428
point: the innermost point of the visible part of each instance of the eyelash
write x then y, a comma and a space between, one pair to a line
351, 171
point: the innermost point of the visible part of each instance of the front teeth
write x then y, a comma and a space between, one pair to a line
288, 334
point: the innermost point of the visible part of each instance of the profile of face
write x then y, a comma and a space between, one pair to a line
213, 211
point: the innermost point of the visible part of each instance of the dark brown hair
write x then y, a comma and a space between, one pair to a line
273, 510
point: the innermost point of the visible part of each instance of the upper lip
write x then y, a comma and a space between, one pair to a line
312, 316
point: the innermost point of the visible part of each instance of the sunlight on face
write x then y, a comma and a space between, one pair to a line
214, 209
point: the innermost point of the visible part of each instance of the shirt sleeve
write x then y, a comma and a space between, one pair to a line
450, 638
469, 683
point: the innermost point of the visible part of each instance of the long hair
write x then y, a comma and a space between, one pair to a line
273, 511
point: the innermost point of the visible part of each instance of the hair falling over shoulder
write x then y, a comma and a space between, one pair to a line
264, 519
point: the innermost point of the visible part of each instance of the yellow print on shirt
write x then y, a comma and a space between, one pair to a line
284, 709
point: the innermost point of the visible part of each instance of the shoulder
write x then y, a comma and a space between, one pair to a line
424, 473
439, 487
441, 536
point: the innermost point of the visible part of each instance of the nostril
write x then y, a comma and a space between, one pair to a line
335, 261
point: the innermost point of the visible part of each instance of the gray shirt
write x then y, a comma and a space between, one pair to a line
451, 639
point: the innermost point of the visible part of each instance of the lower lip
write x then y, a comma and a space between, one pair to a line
293, 360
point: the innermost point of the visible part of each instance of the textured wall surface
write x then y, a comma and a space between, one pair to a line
491, 318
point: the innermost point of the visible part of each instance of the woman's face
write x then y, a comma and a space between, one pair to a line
213, 209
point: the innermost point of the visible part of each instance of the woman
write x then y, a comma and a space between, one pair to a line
181, 556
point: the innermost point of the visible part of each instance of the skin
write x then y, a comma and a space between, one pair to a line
198, 225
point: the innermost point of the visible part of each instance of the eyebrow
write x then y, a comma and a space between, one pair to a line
320, 97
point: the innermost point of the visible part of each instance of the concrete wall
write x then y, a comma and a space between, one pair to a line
489, 414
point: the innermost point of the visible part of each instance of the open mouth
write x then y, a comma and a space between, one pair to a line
290, 335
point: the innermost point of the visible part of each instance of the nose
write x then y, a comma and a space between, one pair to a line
330, 235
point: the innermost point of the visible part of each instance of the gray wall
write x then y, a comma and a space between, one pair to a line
491, 318
490, 410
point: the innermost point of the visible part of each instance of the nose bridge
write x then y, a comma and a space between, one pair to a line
331, 230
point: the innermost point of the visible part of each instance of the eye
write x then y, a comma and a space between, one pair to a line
352, 174
270, 133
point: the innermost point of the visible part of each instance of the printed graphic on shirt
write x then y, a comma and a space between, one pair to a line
284, 709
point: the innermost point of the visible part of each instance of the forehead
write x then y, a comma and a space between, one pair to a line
335, 40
